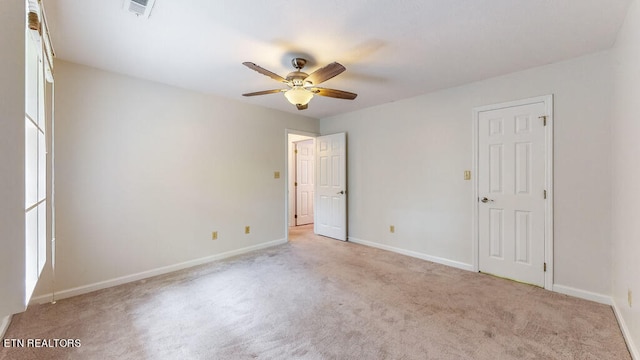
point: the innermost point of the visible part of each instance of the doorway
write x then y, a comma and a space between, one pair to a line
294, 139
328, 202
513, 197
304, 183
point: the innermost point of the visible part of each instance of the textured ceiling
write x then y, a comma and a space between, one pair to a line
391, 49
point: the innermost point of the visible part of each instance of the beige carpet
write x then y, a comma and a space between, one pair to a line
316, 298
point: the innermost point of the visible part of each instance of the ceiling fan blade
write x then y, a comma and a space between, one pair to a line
340, 94
325, 73
264, 71
265, 92
302, 107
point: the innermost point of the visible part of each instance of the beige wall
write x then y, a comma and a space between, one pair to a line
407, 158
626, 176
145, 172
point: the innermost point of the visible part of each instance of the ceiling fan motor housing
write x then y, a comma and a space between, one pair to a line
297, 78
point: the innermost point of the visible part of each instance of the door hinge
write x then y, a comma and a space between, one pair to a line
295, 183
545, 267
545, 194
295, 216
295, 151
544, 120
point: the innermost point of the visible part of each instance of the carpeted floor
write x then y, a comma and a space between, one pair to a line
317, 298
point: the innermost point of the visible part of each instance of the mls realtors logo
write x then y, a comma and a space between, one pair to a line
41, 343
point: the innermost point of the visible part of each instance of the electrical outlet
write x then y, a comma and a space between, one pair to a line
276, 174
392, 229
630, 297
214, 235
247, 229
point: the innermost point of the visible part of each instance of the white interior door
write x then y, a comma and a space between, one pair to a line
511, 192
331, 186
304, 152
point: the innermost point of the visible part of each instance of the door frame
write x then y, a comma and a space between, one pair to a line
548, 217
288, 132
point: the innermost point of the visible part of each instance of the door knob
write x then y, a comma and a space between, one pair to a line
485, 200
341, 192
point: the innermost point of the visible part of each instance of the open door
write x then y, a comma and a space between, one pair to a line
331, 186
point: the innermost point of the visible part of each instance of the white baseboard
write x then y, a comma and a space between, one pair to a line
149, 273
567, 290
415, 254
583, 294
633, 349
606, 300
4, 325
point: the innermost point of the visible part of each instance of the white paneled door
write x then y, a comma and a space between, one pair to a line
331, 186
512, 192
304, 181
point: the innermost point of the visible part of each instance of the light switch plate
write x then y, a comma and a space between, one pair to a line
276, 174
467, 175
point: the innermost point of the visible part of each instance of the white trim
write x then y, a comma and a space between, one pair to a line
631, 346
415, 254
4, 325
548, 220
561, 289
475, 252
606, 300
583, 294
149, 273
548, 242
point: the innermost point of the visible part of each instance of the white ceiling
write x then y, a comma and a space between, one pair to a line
391, 49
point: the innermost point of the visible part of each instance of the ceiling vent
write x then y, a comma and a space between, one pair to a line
142, 8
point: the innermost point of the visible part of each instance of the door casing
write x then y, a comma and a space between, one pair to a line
548, 231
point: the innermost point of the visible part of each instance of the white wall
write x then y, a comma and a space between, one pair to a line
406, 161
626, 176
145, 172
12, 147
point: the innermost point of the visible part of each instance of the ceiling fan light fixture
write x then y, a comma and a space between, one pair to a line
298, 95
302, 86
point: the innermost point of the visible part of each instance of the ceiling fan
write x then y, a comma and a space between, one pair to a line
302, 86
